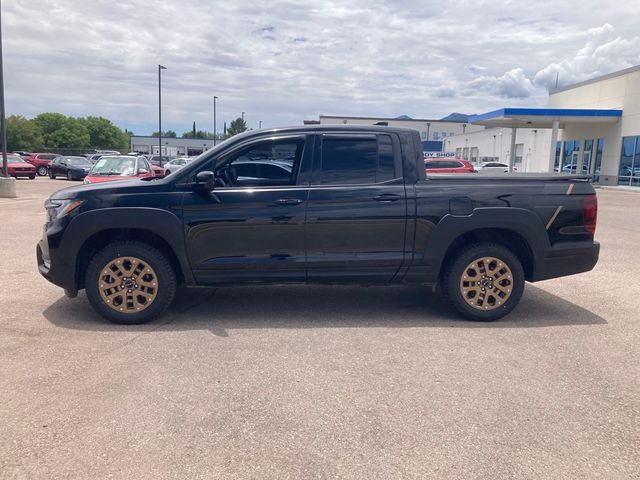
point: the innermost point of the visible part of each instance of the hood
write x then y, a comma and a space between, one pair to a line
125, 185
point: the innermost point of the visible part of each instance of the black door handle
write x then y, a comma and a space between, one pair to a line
387, 197
288, 201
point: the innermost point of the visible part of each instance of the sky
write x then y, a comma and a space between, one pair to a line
285, 61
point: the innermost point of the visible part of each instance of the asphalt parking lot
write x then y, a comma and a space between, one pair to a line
322, 382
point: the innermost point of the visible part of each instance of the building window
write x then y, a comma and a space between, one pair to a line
570, 156
519, 152
436, 136
598, 162
557, 161
629, 170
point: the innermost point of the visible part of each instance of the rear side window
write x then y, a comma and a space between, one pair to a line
353, 160
47, 157
435, 165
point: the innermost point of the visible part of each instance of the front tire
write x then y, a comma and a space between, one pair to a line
70, 176
484, 282
32, 177
130, 282
43, 171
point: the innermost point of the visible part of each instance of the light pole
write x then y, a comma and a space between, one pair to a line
214, 120
260, 124
242, 116
428, 127
160, 68
7, 184
5, 166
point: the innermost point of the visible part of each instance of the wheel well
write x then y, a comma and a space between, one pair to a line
507, 238
101, 239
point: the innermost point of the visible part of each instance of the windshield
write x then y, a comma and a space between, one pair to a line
114, 166
76, 161
13, 159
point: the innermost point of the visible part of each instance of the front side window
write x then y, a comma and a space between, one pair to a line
264, 164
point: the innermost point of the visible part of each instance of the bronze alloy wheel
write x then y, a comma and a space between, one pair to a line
486, 283
128, 284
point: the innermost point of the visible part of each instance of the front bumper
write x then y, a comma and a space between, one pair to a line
566, 260
54, 270
21, 173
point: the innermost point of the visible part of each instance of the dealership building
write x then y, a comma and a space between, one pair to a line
176, 146
432, 132
589, 127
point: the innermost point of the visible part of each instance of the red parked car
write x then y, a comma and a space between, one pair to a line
17, 167
157, 171
448, 165
118, 167
42, 161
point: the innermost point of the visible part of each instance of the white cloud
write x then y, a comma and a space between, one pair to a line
282, 61
604, 52
513, 84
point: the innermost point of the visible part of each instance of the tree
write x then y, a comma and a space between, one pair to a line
201, 134
23, 134
62, 132
237, 126
103, 134
166, 134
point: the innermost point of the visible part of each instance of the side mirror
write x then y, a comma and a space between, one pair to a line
207, 179
142, 171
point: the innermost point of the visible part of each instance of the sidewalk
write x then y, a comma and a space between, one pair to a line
619, 188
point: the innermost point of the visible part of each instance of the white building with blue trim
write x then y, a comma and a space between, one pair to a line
589, 127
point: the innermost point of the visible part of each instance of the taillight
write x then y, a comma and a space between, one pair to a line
590, 213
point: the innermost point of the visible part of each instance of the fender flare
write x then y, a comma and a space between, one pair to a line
163, 223
523, 222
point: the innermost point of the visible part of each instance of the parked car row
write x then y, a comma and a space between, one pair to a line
460, 165
76, 167
18, 167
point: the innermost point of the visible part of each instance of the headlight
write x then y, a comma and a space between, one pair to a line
59, 208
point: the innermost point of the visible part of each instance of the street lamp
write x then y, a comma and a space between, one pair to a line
243, 116
214, 120
5, 166
260, 124
428, 127
7, 184
160, 68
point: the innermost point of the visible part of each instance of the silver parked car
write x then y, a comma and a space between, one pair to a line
176, 164
494, 167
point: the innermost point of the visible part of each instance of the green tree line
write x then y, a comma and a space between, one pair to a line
55, 132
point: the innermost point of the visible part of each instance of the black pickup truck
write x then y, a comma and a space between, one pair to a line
321, 204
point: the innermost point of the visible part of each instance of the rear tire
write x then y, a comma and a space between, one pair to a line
130, 282
484, 282
43, 171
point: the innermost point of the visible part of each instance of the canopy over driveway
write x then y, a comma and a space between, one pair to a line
553, 118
